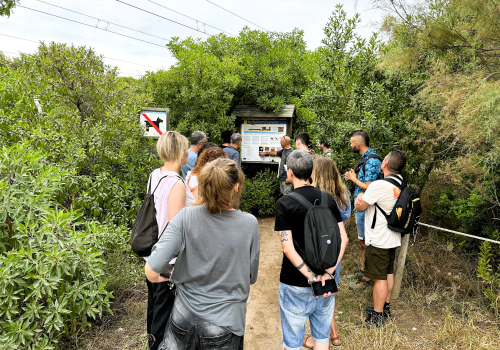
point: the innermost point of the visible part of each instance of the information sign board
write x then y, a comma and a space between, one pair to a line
261, 136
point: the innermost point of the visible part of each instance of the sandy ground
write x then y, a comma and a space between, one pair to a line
419, 321
263, 327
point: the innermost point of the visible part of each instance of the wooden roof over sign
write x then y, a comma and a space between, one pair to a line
244, 111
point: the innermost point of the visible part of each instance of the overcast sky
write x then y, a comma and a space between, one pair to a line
273, 15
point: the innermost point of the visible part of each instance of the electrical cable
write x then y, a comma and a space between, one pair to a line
88, 25
15, 37
109, 58
194, 19
236, 15
168, 19
102, 20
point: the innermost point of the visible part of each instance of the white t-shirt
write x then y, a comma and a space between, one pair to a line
385, 195
193, 180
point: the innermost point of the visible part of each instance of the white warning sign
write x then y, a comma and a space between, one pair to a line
154, 121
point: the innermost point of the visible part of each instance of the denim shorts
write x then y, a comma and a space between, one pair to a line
185, 331
360, 224
337, 273
296, 305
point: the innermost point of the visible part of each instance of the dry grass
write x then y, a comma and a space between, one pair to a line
440, 307
125, 330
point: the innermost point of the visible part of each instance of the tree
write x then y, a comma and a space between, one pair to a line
6, 7
211, 77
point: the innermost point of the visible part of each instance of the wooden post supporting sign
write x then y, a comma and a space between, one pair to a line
400, 267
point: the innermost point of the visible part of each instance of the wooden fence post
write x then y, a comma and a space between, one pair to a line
400, 267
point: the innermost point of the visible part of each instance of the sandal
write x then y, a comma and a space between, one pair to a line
304, 343
334, 339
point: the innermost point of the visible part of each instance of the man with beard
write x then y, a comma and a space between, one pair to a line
368, 169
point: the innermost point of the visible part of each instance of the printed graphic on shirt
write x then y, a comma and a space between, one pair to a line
397, 192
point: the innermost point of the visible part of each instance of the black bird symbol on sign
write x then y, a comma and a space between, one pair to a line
157, 123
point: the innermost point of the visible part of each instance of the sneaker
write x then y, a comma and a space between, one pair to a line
361, 284
374, 320
356, 275
386, 313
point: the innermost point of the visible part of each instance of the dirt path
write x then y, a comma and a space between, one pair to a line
419, 320
263, 327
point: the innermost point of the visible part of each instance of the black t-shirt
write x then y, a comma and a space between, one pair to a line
290, 215
283, 154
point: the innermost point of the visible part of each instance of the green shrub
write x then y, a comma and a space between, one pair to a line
489, 274
51, 270
260, 193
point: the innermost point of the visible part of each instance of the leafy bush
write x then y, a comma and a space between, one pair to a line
51, 270
490, 275
260, 193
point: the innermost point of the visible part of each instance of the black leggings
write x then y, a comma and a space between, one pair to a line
160, 303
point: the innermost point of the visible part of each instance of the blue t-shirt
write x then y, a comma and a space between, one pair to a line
191, 161
372, 168
232, 153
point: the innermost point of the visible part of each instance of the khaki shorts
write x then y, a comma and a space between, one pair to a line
379, 262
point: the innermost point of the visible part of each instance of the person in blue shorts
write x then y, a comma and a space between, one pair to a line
368, 170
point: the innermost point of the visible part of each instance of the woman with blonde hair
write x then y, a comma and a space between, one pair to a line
170, 195
217, 249
208, 155
326, 176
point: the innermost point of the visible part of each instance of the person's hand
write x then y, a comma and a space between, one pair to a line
261, 154
347, 176
162, 279
358, 198
352, 175
322, 279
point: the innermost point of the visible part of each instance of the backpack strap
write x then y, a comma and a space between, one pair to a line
324, 199
371, 156
180, 178
301, 199
391, 180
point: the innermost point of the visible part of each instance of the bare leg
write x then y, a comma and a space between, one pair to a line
333, 331
380, 293
363, 246
390, 287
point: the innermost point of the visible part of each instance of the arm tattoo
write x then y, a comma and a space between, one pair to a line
308, 269
301, 265
284, 236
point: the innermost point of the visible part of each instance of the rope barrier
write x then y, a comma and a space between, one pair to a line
459, 233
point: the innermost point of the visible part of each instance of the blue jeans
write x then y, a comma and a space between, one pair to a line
296, 305
360, 224
185, 331
337, 273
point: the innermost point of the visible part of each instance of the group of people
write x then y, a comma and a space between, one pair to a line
201, 303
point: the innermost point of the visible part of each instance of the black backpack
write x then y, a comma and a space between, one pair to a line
321, 233
145, 231
406, 212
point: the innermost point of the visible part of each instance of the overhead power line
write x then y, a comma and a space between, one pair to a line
213, 3
88, 25
109, 58
194, 19
168, 19
102, 20
15, 37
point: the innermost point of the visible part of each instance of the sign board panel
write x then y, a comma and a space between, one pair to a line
260, 135
154, 121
